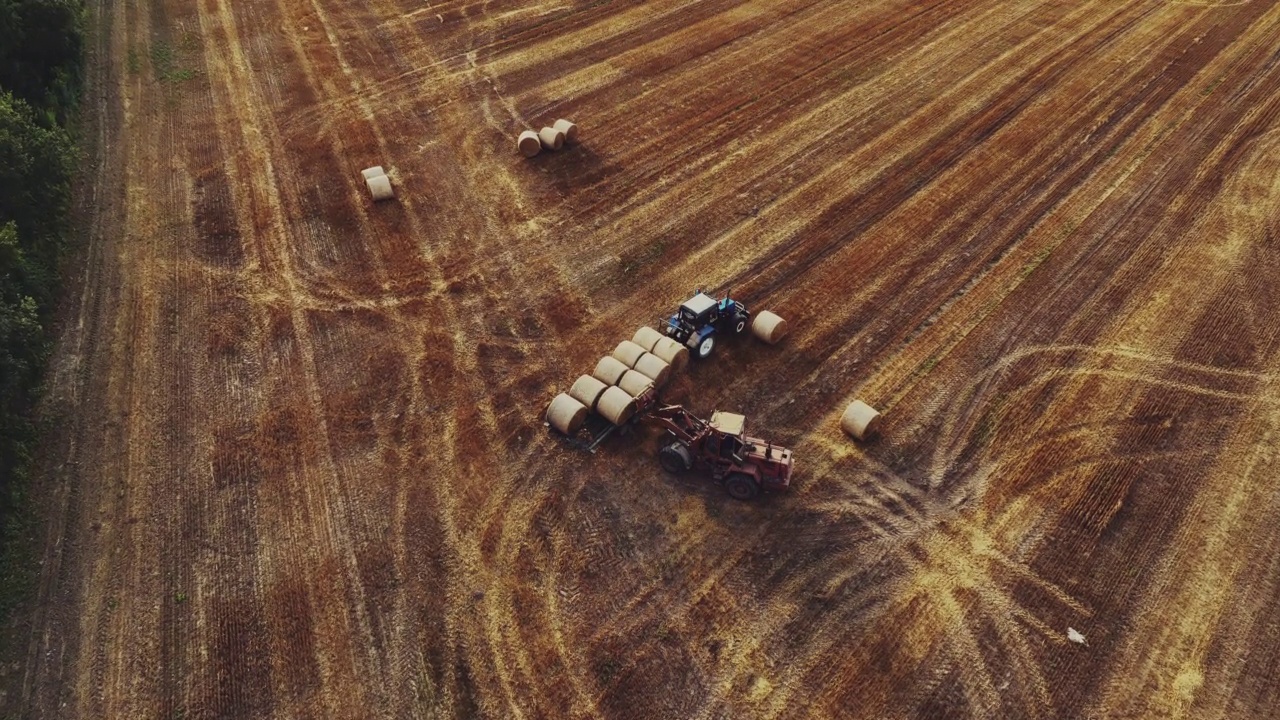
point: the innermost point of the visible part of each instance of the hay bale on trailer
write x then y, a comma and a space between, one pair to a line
646, 337
671, 353
566, 414
652, 367
616, 406
609, 370
587, 390
635, 383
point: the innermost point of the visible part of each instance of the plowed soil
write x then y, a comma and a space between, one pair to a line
298, 467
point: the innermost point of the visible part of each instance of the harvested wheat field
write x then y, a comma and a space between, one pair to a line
298, 465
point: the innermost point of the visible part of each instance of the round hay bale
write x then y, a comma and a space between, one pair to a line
569, 129
529, 143
652, 367
646, 337
373, 172
671, 353
860, 420
566, 414
380, 188
608, 371
635, 383
769, 327
587, 390
628, 353
551, 138
616, 406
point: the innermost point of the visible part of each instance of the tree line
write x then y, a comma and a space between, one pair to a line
41, 69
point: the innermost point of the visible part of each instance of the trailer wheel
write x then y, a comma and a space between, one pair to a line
675, 458
706, 346
741, 486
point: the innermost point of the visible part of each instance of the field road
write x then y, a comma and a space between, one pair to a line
297, 466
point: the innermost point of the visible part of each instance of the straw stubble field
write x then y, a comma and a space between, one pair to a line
298, 467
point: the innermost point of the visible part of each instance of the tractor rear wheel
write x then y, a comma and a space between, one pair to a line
741, 486
675, 458
706, 346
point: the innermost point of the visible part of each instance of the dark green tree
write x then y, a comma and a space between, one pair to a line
36, 163
41, 46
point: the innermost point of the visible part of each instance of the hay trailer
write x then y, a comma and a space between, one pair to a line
718, 447
596, 424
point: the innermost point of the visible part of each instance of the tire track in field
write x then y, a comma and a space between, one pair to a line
331, 34
1211, 390
1184, 386
969, 299
672, 143
65, 649
267, 196
139, 623
401, 555
490, 428
496, 503
511, 539
901, 182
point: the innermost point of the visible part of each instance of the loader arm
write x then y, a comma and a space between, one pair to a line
680, 422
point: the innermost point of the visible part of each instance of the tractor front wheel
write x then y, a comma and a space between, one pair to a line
739, 324
706, 346
675, 458
742, 486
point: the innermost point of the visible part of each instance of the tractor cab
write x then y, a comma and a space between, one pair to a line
698, 311
726, 441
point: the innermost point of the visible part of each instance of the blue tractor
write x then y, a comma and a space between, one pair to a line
698, 320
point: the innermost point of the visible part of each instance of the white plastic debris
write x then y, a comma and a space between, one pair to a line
1075, 635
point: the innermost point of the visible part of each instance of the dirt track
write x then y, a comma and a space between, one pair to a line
300, 469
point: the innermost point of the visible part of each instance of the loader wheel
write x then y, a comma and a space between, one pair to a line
675, 458
706, 346
741, 486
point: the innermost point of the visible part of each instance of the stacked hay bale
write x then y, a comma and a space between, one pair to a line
557, 136
587, 390
616, 406
566, 414
609, 370
528, 143
636, 358
568, 128
667, 350
635, 383
551, 138
378, 182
